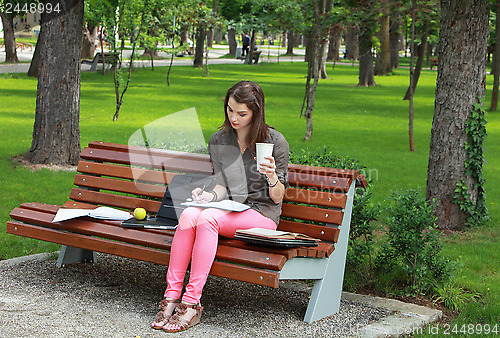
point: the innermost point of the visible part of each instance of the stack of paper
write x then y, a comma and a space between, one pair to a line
275, 238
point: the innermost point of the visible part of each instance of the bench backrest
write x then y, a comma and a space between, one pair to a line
128, 177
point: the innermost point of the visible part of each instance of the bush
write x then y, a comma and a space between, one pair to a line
324, 158
412, 243
360, 248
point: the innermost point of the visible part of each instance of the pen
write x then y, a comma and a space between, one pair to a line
202, 190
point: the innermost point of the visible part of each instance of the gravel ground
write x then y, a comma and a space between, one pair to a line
117, 297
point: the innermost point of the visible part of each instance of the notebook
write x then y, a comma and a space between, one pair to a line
275, 238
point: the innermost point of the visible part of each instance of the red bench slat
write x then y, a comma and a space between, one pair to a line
148, 160
222, 269
326, 199
312, 214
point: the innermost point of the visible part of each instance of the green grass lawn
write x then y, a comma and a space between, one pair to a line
369, 124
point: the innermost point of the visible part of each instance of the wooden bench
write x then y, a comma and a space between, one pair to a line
23, 45
110, 58
434, 62
20, 45
256, 55
319, 204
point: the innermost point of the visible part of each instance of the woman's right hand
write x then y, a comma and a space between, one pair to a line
201, 196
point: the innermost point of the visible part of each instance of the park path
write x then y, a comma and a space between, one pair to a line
269, 54
117, 297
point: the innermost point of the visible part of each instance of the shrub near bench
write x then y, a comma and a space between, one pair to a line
319, 204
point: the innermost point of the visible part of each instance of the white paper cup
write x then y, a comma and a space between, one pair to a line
263, 150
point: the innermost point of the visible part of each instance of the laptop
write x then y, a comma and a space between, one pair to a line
177, 192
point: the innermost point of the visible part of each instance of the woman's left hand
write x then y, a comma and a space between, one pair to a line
276, 191
268, 168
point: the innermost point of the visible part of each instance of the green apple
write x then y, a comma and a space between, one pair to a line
140, 213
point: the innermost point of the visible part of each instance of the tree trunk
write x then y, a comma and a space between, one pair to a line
8, 38
231, 36
352, 43
383, 60
421, 49
152, 53
200, 48
35, 60
411, 88
291, 42
462, 60
249, 56
299, 39
101, 45
322, 59
117, 83
395, 39
496, 65
218, 35
184, 34
366, 74
56, 132
309, 44
213, 31
88, 43
315, 60
210, 37
310, 93
334, 44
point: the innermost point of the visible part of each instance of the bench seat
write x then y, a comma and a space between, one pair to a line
35, 220
318, 204
110, 58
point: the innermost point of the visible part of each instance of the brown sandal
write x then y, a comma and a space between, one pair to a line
161, 318
183, 324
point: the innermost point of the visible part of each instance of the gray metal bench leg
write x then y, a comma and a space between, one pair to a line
326, 293
70, 255
93, 68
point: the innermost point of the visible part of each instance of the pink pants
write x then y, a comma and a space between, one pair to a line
196, 240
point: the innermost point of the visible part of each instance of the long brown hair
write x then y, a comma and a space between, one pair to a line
251, 94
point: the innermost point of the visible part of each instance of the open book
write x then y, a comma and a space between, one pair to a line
224, 205
64, 214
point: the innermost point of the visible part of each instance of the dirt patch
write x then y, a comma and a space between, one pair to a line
19, 161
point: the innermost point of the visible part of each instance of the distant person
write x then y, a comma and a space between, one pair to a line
191, 45
246, 44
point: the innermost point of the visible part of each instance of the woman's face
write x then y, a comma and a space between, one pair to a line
239, 115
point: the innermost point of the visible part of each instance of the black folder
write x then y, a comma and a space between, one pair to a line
150, 223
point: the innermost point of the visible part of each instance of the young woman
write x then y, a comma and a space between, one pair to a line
237, 175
